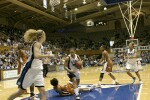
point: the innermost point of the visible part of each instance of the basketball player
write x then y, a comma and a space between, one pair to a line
22, 59
107, 65
121, 59
72, 71
131, 62
33, 70
66, 89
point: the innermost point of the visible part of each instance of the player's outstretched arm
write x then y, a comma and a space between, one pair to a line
37, 51
79, 58
101, 60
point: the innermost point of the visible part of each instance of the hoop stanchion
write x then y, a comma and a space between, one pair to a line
130, 15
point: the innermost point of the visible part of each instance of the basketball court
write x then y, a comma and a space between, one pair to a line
89, 76
107, 92
84, 16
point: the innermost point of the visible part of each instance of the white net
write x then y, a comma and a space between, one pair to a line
54, 3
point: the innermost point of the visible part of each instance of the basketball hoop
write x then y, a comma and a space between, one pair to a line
128, 17
136, 42
54, 3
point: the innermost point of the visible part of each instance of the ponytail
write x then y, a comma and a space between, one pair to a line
32, 35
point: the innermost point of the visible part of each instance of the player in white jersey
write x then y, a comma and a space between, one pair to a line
33, 70
22, 59
131, 63
72, 71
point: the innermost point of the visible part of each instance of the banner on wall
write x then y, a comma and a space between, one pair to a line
9, 74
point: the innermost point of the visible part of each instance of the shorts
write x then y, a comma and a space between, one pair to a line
30, 76
76, 75
107, 68
132, 66
45, 67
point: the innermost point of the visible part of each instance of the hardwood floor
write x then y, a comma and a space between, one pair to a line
89, 75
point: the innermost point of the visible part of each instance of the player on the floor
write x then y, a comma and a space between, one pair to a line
67, 89
33, 70
22, 59
131, 62
108, 64
72, 71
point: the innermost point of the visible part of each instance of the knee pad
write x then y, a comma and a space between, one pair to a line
108, 73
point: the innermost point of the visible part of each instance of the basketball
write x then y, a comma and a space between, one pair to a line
79, 64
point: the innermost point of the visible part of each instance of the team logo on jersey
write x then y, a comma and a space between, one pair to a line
73, 62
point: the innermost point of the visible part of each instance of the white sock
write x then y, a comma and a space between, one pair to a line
92, 87
116, 80
99, 83
76, 91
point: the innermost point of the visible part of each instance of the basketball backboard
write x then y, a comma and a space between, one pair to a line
136, 42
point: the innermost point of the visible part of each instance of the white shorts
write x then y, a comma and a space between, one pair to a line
77, 74
132, 66
104, 68
32, 76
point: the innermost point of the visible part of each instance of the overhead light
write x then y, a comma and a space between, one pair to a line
76, 9
90, 22
100, 23
98, 4
105, 8
65, 6
84, 2
15, 11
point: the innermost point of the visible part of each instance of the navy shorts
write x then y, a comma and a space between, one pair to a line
71, 75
